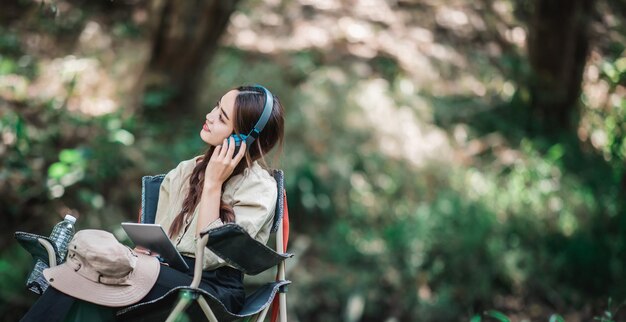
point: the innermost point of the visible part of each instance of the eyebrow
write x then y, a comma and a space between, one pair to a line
221, 109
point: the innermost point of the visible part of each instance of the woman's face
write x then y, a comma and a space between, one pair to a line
219, 122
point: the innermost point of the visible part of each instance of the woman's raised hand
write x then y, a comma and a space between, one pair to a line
223, 163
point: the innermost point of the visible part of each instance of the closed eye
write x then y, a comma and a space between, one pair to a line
222, 113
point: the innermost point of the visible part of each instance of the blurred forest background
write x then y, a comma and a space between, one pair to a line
443, 158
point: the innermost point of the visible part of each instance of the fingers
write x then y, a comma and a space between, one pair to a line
145, 251
141, 250
216, 152
223, 161
231, 148
224, 149
240, 153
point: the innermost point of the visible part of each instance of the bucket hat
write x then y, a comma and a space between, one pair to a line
101, 270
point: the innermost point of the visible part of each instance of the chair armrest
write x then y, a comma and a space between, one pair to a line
235, 246
197, 269
40, 247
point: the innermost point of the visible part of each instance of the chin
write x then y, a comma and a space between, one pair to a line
208, 140
203, 137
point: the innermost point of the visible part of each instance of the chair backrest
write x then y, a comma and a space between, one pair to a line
279, 176
150, 186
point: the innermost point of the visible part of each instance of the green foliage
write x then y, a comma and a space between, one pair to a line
429, 241
12, 59
615, 71
53, 161
10, 277
157, 97
501, 317
607, 316
126, 29
610, 314
386, 66
9, 43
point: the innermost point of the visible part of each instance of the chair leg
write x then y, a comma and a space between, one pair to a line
282, 299
183, 302
207, 310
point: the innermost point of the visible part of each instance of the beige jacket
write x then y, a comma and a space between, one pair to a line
252, 195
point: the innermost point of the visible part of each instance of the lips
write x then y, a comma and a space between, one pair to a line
205, 127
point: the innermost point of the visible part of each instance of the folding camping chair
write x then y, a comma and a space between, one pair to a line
225, 241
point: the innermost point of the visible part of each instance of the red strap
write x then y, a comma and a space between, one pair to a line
285, 225
275, 303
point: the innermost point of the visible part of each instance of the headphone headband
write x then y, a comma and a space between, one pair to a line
260, 124
265, 116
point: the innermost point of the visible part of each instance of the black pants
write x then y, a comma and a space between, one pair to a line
225, 283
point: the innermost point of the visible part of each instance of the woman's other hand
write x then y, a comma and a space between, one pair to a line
223, 163
145, 251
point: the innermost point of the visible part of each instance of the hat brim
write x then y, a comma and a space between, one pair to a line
66, 280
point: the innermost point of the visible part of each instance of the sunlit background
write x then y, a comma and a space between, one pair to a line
445, 160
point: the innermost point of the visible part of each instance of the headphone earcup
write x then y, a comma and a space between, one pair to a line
238, 138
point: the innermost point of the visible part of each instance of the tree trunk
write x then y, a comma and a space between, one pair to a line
558, 44
185, 37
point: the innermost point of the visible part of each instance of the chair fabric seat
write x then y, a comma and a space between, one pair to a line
228, 240
159, 309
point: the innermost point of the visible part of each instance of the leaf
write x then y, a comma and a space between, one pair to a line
58, 170
498, 316
475, 318
556, 152
157, 98
122, 136
70, 156
620, 64
556, 318
610, 71
20, 130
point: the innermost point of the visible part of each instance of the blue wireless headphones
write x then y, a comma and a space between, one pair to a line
260, 124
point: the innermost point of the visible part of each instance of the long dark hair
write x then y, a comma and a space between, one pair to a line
248, 108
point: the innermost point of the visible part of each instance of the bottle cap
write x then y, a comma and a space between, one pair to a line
70, 218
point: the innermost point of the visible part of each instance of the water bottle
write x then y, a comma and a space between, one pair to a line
61, 236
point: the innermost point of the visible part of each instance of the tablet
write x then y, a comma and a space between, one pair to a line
154, 238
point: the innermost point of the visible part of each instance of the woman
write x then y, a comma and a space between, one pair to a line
204, 192
218, 187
